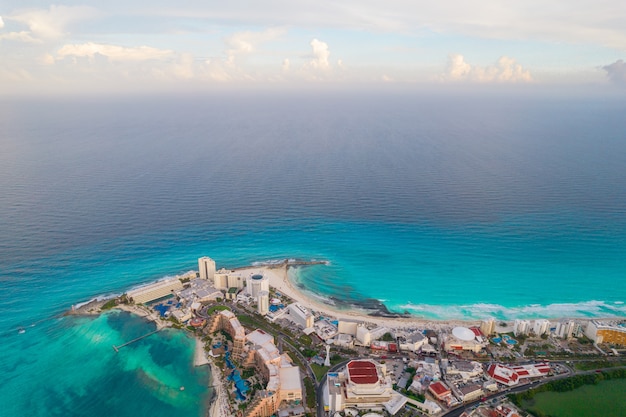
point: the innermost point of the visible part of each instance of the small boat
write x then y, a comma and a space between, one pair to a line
182, 388
21, 330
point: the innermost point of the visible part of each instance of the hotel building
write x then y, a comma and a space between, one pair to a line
206, 268
363, 384
607, 332
154, 291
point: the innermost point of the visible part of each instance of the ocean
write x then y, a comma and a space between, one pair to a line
445, 206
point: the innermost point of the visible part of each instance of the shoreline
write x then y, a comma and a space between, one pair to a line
279, 280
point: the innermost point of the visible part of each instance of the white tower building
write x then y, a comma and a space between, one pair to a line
521, 327
256, 284
565, 329
206, 266
541, 327
488, 326
263, 302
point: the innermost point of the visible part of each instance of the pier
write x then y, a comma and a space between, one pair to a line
117, 348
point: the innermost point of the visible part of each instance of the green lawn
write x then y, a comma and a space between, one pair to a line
213, 309
606, 399
319, 371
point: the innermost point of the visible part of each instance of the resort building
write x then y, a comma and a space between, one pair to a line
463, 338
225, 279
464, 369
227, 321
541, 327
440, 391
607, 332
521, 327
281, 377
412, 342
154, 291
512, 375
565, 329
347, 327
200, 290
300, 315
363, 335
363, 384
488, 327
263, 302
503, 374
470, 392
206, 268
257, 283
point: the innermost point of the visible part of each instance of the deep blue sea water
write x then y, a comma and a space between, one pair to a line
441, 205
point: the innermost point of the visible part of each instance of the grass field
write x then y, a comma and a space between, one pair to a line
606, 399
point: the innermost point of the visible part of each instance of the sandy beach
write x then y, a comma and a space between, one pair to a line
219, 406
279, 279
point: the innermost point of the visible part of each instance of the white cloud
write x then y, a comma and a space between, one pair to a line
52, 23
184, 67
47, 59
22, 36
1, 22
243, 43
616, 72
506, 70
457, 68
598, 22
113, 52
320, 55
286, 65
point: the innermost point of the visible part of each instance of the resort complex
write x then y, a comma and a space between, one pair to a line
275, 352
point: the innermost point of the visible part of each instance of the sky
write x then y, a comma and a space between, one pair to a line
129, 45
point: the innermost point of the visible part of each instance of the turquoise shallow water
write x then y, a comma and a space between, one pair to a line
67, 366
442, 206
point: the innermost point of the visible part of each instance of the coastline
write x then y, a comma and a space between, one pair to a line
279, 280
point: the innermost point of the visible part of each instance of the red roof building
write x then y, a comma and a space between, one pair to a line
362, 372
439, 390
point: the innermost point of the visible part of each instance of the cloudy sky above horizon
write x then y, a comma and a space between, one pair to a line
78, 45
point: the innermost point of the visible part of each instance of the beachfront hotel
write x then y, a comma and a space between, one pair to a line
154, 291
206, 268
607, 332
257, 349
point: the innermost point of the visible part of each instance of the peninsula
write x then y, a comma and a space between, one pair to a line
273, 350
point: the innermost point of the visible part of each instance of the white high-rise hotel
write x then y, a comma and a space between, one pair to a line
206, 266
257, 283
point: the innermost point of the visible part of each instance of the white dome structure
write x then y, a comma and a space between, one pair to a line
463, 333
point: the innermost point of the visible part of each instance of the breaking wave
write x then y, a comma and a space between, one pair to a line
586, 309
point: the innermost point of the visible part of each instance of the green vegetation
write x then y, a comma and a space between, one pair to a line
215, 308
309, 353
335, 359
226, 335
295, 359
417, 397
387, 337
604, 399
310, 393
305, 340
247, 373
524, 399
109, 304
589, 365
319, 371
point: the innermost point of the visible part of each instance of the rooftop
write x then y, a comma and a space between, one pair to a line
362, 372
